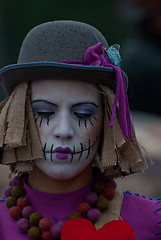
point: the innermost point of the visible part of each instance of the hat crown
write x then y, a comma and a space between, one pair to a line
59, 41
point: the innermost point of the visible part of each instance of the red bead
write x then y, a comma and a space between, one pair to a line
109, 193
83, 208
22, 202
15, 212
46, 235
45, 224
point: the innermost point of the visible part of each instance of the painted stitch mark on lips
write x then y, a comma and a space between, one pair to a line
62, 153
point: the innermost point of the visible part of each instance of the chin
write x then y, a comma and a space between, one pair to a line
60, 171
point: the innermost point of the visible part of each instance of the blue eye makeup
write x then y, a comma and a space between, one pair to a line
43, 110
85, 112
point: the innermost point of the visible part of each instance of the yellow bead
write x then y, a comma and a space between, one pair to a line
10, 201
35, 218
103, 204
34, 233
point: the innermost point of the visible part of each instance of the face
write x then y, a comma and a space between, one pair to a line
68, 116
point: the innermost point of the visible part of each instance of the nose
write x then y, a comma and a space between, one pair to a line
64, 128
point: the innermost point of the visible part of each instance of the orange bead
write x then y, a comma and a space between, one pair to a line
83, 208
46, 235
15, 212
45, 224
22, 202
109, 193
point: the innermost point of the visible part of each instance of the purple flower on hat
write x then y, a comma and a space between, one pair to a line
95, 56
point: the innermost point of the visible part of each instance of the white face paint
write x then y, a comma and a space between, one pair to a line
68, 115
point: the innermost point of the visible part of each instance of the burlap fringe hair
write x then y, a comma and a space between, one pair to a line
19, 137
20, 141
119, 156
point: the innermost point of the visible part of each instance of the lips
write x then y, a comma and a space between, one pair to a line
62, 153
62, 150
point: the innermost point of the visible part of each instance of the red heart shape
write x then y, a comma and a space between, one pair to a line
82, 229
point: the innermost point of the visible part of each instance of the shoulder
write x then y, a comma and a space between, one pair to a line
143, 214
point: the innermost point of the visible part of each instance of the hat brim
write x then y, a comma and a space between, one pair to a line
12, 75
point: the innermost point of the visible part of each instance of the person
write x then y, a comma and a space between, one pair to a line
67, 134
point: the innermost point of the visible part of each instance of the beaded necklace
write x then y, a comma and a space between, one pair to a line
37, 227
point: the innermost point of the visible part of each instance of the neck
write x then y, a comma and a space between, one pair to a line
41, 182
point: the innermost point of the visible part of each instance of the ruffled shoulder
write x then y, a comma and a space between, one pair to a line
143, 214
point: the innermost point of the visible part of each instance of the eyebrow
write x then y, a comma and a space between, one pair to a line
81, 103
76, 104
43, 100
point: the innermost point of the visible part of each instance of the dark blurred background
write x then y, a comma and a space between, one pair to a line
136, 25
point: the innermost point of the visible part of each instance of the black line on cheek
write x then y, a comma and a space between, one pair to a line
44, 148
85, 123
89, 148
71, 157
47, 121
95, 118
72, 153
79, 122
74, 149
81, 151
36, 119
51, 153
91, 123
41, 122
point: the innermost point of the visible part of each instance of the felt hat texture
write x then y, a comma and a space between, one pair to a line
48, 44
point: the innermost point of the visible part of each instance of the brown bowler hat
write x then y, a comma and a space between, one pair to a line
48, 44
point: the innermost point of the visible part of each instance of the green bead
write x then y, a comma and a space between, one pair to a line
73, 215
10, 201
102, 204
18, 191
34, 233
99, 187
35, 218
